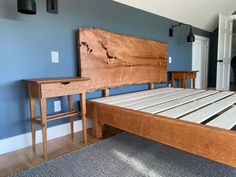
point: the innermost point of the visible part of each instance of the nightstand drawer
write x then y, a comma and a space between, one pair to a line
63, 88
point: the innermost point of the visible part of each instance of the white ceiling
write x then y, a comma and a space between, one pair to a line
202, 14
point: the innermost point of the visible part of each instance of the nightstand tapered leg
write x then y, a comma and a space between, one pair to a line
193, 83
183, 83
172, 80
33, 124
43, 108
83, 114
32, 117
71, 108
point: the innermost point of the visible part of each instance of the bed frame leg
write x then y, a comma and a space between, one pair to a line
96, 126
97, 130
151, 86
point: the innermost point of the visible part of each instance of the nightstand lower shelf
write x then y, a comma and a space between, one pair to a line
58, 116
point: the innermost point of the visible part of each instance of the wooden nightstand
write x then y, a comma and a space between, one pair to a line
53, 87
183, 76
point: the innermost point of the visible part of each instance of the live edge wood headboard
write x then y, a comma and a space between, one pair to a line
112, 60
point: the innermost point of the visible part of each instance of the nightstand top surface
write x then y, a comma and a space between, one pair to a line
57, 80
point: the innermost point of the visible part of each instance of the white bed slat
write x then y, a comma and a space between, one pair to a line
192, 106
143, 95
122, 97
164, 106
226, 120
150, 97
163, 100
211, 110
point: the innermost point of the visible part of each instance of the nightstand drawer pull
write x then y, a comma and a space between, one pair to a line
65, 83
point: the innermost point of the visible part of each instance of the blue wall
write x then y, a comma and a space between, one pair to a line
26, 42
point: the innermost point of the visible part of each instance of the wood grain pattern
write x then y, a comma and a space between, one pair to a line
57, 80
209, 142
62, 89
53, 87
83, 114
71, 108
33, 116
113, 60
34, 89
43, 110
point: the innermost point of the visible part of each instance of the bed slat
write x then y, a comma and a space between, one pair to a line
226, 120
150, 98
211, 110
178, 102
192, 106
130, 96
146, 104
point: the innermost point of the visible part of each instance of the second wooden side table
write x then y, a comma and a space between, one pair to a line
183, 76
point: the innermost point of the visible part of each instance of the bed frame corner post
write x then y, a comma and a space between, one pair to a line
96, 126
151, 86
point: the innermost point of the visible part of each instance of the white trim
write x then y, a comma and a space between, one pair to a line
233, 17
202, 38
24, 140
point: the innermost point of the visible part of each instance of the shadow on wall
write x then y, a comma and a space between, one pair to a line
16, 102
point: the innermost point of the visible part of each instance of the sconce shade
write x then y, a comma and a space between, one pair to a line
190, 37
26, 7
170, 32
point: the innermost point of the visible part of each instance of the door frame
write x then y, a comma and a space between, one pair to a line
234, 21
197, 37
232, 17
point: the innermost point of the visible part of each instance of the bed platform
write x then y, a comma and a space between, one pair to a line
211, 107
196, 121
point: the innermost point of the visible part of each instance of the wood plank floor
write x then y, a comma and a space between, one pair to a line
16, 161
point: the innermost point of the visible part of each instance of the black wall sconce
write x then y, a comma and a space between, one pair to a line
29, 6
26, 7
52, 6
190, 37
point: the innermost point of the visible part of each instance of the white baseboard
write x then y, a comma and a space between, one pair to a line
25, 140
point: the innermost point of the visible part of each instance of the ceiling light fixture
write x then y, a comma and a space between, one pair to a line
190, 37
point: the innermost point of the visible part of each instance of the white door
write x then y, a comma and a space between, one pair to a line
200, 51
224, 52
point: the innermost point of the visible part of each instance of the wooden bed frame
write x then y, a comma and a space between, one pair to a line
112, 60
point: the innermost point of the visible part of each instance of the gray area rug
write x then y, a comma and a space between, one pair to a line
128, 155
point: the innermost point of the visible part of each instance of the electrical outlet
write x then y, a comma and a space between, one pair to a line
55, 56
170, 59
57, 106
